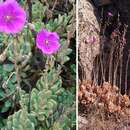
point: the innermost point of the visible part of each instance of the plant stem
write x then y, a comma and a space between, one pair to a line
15, 43
121, 62
54, 5
115, 72
29, 2
110, 65
126, 76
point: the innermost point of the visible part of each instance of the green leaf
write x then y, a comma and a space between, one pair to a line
8, 67
6, 106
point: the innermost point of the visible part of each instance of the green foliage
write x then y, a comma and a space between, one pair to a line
62, 56
19, 121
8, 74
48, 104
7, 86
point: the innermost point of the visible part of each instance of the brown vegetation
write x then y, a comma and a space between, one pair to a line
103, 107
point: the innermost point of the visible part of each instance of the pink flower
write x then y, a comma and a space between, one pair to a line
113, 35
91, 39
47, 42
110, 14
12, 17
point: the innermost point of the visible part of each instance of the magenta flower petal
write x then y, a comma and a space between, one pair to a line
110, 14
12, 17
91, 39
47, 42
54, 36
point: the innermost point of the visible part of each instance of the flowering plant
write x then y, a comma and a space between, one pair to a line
35, 44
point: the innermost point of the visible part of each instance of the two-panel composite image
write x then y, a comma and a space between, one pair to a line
64, 65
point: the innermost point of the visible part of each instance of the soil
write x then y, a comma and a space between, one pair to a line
95, 122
